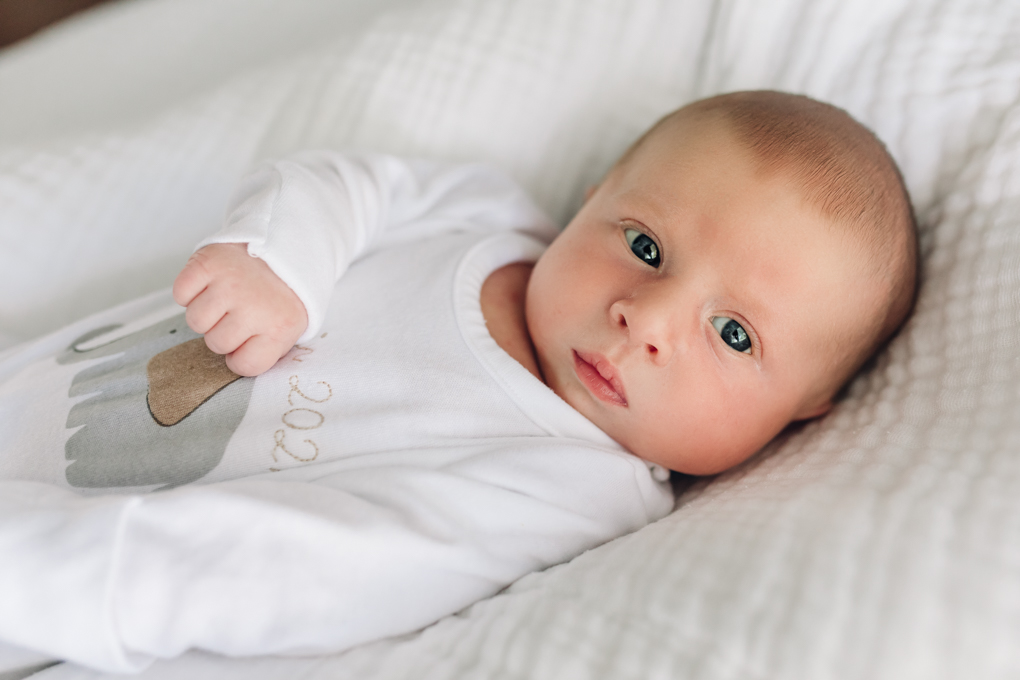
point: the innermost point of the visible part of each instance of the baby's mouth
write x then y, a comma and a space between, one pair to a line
598, 375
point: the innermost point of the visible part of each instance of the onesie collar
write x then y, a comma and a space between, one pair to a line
543, 406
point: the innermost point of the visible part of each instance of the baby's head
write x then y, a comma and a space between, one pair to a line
729, 275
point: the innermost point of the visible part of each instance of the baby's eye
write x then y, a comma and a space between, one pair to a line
643, 246
732, 333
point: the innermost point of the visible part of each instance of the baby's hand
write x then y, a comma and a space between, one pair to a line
245, 310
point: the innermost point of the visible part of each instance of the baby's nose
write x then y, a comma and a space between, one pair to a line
647, 328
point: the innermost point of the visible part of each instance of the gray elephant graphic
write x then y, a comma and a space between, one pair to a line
162, 408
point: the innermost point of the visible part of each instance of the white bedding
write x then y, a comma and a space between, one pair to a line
880, 542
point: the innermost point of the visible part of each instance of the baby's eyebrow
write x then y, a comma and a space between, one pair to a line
646, 207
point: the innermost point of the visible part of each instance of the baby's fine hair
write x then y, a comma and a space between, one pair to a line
842, 170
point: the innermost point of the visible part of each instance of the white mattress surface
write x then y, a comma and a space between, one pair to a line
880, 542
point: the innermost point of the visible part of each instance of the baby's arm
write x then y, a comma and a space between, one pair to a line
245, 310
306, 218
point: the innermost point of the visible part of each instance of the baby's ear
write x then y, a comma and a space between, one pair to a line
815, 411
590, 191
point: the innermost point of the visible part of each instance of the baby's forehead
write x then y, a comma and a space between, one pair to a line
715, 161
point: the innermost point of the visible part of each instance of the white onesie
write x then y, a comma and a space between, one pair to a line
394, 467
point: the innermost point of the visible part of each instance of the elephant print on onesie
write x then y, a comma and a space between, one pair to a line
162, 407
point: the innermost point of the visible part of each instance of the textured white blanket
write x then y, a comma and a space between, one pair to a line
880, 542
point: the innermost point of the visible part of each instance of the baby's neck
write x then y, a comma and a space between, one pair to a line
503, 297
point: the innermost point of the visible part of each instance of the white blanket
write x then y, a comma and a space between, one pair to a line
879, 542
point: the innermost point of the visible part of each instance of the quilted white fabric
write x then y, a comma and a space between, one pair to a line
880, 542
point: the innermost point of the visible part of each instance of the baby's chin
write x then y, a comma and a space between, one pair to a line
699, 453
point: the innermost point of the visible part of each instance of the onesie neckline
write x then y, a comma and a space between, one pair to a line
543, 406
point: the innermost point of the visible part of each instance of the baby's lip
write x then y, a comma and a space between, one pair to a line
600, 377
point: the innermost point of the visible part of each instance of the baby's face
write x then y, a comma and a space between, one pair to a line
692, 307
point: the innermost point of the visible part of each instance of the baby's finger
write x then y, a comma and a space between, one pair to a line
205, 311
256, 356
227, 335
192, 280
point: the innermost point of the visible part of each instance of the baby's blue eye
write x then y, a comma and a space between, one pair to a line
643, 246
732, 333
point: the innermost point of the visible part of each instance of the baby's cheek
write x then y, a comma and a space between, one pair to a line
700, 430
750, 428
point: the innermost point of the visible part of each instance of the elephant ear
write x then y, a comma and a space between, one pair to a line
183, 378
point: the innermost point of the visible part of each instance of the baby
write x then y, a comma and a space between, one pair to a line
733, 270
450, 393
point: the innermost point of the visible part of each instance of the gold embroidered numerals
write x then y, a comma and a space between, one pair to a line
301, 353
302, 417
295, 389
280, 435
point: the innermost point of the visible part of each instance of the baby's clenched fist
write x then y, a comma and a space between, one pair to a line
245, 310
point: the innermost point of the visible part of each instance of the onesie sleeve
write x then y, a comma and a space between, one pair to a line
310, 215
300, 566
